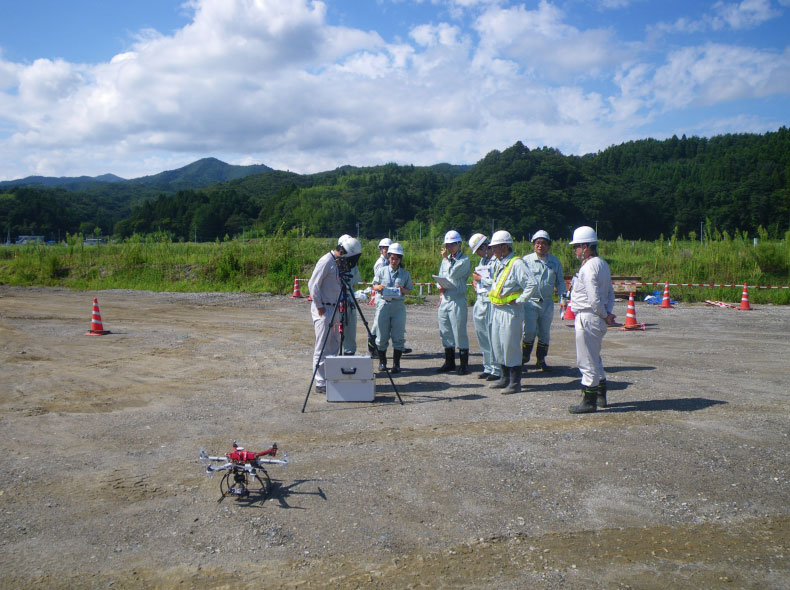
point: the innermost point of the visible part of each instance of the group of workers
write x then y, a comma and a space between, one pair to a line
514, 306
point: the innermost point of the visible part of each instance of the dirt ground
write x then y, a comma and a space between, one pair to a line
682, 483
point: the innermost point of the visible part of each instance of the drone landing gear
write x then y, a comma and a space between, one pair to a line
241, 483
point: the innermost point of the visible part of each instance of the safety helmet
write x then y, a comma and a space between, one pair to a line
350, 245
501, 237
541, 234
584, 235
395, 248
452, 236
385, 243
476, 241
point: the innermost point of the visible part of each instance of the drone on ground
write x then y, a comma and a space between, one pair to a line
244, 471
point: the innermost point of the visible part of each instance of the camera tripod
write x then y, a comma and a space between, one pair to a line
346, 295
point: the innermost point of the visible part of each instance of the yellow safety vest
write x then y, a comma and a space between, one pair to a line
494, 295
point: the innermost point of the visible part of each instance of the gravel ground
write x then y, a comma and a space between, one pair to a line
682, 482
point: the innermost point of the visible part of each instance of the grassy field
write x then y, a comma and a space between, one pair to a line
270, 264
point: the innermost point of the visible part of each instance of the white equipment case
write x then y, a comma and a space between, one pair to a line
349, 379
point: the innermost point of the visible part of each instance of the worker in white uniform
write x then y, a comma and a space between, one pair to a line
456, 268
381, 262
481, 312
592, 300
539, 311
325, 289
512, 286
392, 283
350, 320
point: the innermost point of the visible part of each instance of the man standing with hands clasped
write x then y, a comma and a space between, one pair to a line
592, 300
456, 268
512, 286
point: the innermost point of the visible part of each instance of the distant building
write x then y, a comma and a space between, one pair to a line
92, 241
29, 240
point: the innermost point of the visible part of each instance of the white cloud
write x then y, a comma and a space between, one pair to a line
541, 43
747, 14
271, 81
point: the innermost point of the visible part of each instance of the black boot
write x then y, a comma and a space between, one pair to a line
371, 344
449, 361
600, 398
382, 360
515, 380
484, 375
526, 351
463, 355
504, 378
588, 401
540, 355
407, 351
396, 354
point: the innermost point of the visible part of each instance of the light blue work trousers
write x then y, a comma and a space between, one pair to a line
507, 323
391, 323
537, 321
481, 314
452, 322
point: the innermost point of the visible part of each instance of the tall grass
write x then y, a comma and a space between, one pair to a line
270, 264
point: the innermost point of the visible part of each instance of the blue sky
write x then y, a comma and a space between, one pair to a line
137, 87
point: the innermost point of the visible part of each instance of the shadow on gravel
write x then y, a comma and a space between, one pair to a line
683, 404
282, 493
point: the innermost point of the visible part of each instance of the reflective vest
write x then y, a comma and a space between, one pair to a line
494, 295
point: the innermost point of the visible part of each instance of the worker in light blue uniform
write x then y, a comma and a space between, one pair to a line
391, 283
381, 262
456, 268
512, 286
481, 312
350, 319
546, 269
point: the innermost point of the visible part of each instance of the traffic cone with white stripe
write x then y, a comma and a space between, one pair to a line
97, 329
630, 316
745, 299
666, 303
297, 293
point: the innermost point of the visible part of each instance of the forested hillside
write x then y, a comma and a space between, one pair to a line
637, 190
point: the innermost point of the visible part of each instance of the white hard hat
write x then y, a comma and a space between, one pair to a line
343, 237
541, 234
452, 236
501, 237
584, 235
351, 246
385, 243
476, 241
395, 248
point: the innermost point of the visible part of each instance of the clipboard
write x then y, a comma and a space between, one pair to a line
443, 282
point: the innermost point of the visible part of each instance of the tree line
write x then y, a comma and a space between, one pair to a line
637, 190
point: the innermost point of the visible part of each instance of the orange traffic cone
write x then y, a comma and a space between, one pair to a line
569, 315
630, 316
745, 299
666, 303
297, 293
97, 329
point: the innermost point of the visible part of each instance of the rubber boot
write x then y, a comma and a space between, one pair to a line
493, 377
504, 379
463, 355
407, 351
484, 375
449, 361
526, 351
515, 381
540, 355
382, 360
396, 354
600, 398
371, 344
588, 404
